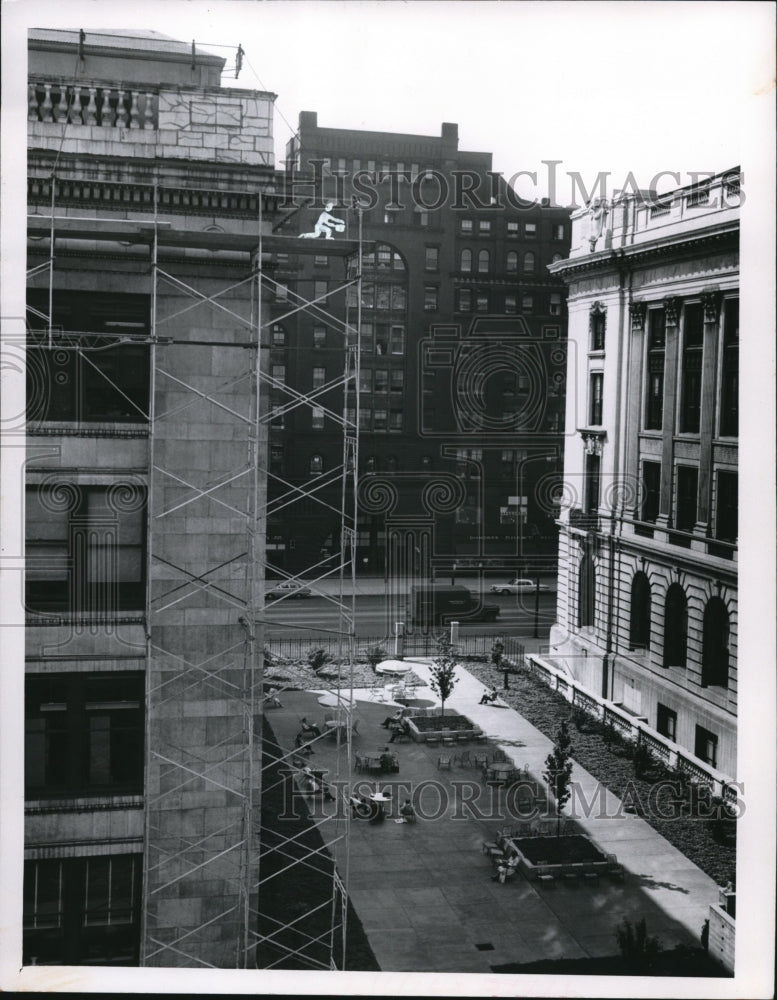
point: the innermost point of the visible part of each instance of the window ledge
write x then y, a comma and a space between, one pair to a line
68, 428
83, 803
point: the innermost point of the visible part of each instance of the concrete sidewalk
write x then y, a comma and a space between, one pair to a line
423, 892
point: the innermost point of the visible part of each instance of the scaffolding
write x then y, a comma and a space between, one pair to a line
206, 510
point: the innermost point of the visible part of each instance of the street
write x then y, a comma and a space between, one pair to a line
516, 615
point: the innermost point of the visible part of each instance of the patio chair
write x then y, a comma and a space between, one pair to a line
359, 763
432, 740
492, 850
448, 738
462, 758
499, 756
444, 762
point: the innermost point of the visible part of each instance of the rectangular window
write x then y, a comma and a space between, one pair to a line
395, 420
511, 304
687, 500
83, 734
278, 418
381, 380
430, 298
598, 325
432, 259
465, 300
595, 407
276, 459
484, 227
397, 342
83, 911
281, 292
650, 495
397, 380
365, 418
398, 298
278, 372
99, 379
320, 289
693, 339
481, 302
381, 339
592, 486
466, 227
380, 420
278, 335
530, 230
319, 376
319, 336
729, 382
321, 260
365, 380
513, 229
655, 380
527, 303
555, 304
85, 551
421, 217
726, 507
317, 418
383, 297
666, 721
706, 746
558, 232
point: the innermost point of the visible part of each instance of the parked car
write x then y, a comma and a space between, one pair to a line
517, 586
289, 588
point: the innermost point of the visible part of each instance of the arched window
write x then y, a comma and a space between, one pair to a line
714, 655
586, 592
675, 627
483, 261
639, 625
528, 263
512, 262
316, 465
466, 260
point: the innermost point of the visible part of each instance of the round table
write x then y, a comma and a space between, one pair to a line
398, 667
380, 800
500, 770
335, 726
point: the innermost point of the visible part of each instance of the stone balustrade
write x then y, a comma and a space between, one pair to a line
90, 104
631, 727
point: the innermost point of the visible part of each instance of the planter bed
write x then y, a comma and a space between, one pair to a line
421, 727
558, 856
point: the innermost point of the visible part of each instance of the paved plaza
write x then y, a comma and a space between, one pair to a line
423, 891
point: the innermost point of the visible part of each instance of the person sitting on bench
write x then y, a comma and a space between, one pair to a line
396, 717
489, 697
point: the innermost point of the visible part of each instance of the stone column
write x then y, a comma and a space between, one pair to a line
671, 361
711, 304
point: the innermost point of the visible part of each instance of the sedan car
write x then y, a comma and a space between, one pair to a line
289, 588
517, 586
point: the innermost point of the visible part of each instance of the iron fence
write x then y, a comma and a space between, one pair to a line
297, 648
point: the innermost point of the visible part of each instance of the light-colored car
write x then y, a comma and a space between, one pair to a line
289, 588
517, 586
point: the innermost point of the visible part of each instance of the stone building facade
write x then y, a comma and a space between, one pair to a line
647, 596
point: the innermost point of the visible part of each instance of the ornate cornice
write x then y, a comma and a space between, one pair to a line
638, 310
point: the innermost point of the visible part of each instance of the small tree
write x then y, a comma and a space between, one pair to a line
375, 654
443, 671
558, 772
318, 658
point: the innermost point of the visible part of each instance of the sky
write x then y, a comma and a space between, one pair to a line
624, 87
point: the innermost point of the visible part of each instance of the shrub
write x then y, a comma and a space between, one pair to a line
318, 658
579, 718
443, 671
638, 948
268, 657
375, 654
644, 761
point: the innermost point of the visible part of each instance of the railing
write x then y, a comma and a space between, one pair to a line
656, 747
106, 107
698, 196
660, 208
295, 648
632, 728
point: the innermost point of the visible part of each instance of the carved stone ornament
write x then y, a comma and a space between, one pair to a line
671, 310
597, 216
638, 310
592, 442
711, 303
